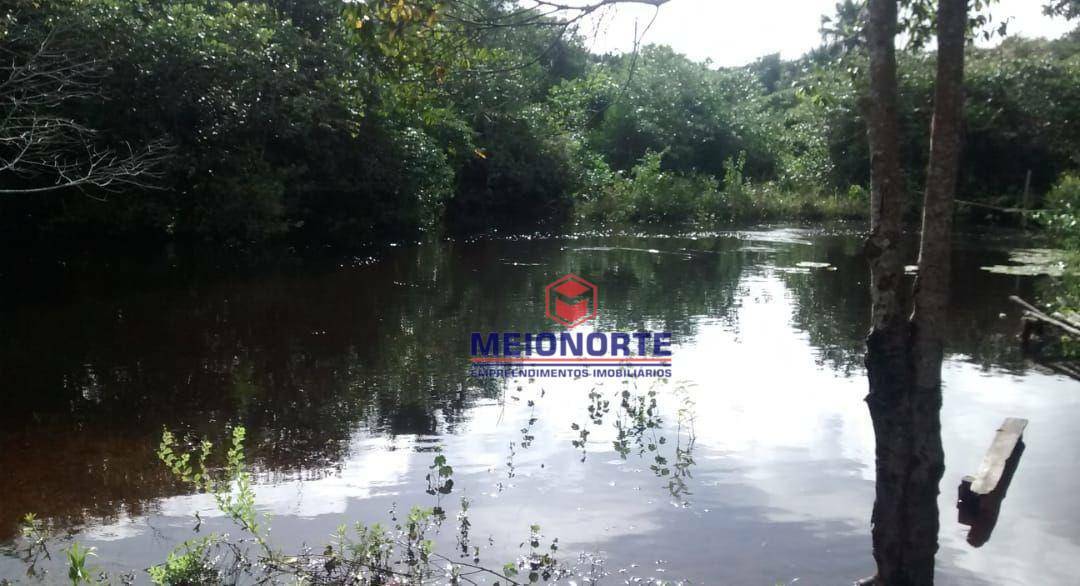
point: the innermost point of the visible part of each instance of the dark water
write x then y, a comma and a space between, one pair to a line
349, 376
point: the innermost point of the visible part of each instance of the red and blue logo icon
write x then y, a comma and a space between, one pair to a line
571, 300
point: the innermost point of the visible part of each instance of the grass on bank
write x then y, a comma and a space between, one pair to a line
651, 195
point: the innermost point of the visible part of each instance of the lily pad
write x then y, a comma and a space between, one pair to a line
753, 248
616, 248
1031, 262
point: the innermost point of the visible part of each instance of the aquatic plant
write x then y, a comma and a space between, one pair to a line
367, 555
77, 556
192, 565
401, 552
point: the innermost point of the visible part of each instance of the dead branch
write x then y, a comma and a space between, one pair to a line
44, 150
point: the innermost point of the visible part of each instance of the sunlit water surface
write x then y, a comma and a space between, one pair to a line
350, 377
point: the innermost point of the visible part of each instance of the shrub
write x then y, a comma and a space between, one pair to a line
1061, 215
187, 565
656, 196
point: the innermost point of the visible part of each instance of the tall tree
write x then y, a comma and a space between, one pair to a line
887, 344
904, 354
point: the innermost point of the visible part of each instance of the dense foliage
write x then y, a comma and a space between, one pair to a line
320, 121
1062, 221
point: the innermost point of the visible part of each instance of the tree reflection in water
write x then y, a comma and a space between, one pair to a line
307, 360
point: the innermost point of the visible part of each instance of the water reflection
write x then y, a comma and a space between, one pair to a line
758, 457
981, 512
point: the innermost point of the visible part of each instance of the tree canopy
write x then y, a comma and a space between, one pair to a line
367, 122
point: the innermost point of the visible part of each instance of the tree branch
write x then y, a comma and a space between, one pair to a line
47, 151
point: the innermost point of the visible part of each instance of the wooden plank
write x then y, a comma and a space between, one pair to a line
993, 464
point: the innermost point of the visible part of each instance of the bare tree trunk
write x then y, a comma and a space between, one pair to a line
887, 357
930, 315
904, 355
932, 285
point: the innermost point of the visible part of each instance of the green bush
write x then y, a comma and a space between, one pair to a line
187, 565
1061, 215
652, 196
735, 199
666, 197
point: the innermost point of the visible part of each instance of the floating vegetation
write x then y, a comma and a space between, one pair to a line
806, 264
517, 263
757, 248
598, 407
1032, 262
626, 249
583, 439
781, 236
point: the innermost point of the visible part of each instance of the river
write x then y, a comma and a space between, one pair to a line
351, 376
